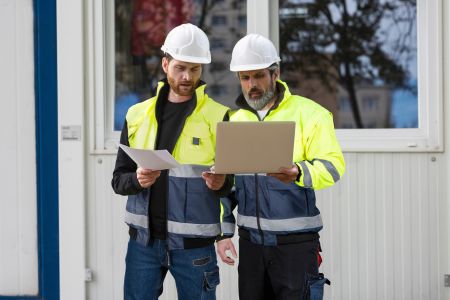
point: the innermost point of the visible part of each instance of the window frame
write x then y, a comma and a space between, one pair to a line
262, 17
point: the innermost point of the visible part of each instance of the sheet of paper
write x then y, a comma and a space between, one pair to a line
151, 159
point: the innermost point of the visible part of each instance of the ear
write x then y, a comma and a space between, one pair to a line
165, 64
276, 74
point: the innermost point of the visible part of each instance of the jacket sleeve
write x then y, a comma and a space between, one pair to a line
324, 163
227, 186
227, 219
124, 181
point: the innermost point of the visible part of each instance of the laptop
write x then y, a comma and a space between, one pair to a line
254, 147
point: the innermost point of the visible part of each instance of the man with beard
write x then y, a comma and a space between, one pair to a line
173, 215
277, 215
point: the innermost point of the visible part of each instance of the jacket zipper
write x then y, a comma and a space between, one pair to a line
180, 130
258, 222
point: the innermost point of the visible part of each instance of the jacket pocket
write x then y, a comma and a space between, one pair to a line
286, 200
195, 145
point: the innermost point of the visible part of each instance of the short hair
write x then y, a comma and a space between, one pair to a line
168, 56
272, 68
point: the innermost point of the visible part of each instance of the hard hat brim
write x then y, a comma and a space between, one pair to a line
251, 67
192, 59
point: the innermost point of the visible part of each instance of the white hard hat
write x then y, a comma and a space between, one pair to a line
188, 43
253, 52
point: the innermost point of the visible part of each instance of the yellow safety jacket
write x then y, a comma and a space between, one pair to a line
266, 206
193, 209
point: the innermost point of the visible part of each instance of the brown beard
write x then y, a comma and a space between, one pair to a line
178, 89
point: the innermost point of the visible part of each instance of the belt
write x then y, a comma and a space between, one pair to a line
282, 239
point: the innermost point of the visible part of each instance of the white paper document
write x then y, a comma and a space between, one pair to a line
151, 159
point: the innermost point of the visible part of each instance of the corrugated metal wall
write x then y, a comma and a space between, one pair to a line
18, 215
384, 237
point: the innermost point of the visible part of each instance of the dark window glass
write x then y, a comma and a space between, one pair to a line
219, 20
356, 58
140, 29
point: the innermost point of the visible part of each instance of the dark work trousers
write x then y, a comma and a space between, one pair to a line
275, 272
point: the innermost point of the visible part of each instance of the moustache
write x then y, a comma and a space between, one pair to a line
254, 90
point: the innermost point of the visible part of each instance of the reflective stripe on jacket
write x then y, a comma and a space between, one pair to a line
268, 207
193, 209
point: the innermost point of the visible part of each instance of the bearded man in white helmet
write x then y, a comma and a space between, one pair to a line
277, 215
173, 215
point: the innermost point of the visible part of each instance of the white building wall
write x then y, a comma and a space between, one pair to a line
383, 238
18, 208
71, 151
386, 232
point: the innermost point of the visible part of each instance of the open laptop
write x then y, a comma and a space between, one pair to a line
254, 147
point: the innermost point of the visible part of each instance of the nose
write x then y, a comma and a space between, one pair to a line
187, 75
251, 82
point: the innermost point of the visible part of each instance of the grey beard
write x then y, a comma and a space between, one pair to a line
260, 103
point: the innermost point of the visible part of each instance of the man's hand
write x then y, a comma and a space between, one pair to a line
222, 247
147, 177
286, 175
214, 181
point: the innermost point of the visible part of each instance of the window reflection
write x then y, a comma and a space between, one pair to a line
356, 58
140, 29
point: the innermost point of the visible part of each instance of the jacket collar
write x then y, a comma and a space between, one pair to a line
162, 93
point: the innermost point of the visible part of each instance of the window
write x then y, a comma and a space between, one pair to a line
140, 27
242, 21
219, 20
217, 44
218, 89
411, 111
374, 55
365, 70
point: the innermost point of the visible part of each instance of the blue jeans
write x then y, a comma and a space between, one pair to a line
195, 271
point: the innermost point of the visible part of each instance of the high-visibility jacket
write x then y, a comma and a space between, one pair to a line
193, 209
268, 207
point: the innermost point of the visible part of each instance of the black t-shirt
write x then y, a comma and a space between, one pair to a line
172, 114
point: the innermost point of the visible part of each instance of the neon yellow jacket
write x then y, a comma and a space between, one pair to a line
268, 207
316, 149
193, 209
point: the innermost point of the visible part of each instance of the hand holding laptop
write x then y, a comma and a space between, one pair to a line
286, 175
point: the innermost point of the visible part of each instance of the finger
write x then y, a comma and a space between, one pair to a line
145, 185
233, 250
275, 175
143, 171
221, 253
228, 260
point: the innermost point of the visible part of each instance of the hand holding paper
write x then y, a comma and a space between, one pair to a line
151, 159
147, 177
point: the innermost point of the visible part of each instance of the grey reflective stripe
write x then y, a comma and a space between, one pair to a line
330, 168
188, 171
227, 228
307, 180
193, 229
138, 220
291, 224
